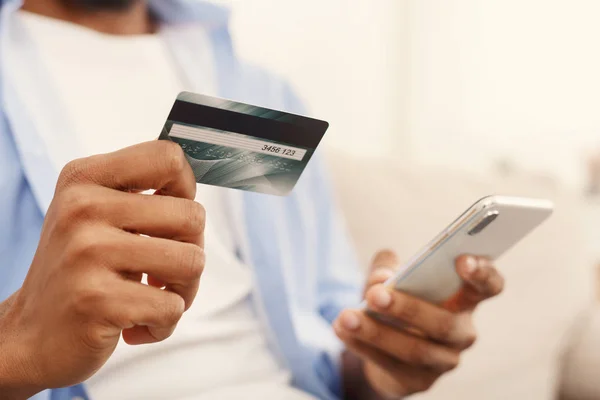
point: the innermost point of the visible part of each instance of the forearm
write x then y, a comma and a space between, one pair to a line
355, 384
13, 385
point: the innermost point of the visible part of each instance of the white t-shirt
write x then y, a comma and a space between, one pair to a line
117, 91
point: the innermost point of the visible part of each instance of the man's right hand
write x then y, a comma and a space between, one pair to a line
83, 288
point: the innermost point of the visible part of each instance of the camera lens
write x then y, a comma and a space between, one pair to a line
485, 221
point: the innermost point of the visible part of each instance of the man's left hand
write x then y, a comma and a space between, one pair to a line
397, 362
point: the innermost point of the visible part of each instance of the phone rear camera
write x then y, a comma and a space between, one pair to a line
481, 225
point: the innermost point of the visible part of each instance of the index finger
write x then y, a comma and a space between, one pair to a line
159, 164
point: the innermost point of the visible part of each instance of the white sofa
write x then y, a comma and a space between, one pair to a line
523, 334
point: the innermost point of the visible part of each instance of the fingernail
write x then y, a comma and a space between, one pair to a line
382, 298
350, 321
470, 265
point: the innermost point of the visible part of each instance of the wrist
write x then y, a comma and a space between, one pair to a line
14, 384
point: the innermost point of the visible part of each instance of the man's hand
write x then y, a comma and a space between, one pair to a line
83, 289
396, 362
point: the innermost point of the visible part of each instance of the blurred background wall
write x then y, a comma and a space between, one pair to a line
476, 83
516, 79
347, 59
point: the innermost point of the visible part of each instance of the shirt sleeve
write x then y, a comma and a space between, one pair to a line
340, 281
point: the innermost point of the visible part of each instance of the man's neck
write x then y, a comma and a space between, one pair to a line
135, 20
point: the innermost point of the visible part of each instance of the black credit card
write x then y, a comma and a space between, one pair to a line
242, 146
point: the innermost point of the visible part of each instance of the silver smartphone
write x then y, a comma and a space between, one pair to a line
489, 228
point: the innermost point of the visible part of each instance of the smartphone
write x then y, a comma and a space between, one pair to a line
489, 228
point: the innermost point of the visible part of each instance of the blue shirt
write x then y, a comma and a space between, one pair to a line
305, 269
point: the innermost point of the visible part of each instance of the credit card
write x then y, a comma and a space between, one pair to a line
241, 146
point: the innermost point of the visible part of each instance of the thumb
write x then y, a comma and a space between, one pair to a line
383, 266
385, 259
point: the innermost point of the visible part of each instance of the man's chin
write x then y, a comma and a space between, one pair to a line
102, 5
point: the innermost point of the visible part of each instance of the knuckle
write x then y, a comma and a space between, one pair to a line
418, 352
373, 334
470, 340
498, 285
87, 299
116, 316
84, 245
172, 311
408, 308
94, 338
195, 217
469, 334
490, 282
71, 173
446, 327
424, 383
75, 204
192, 262
453, 362
483, 275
